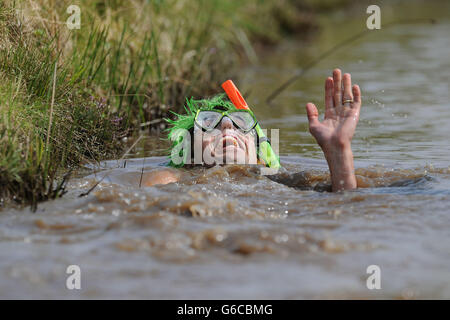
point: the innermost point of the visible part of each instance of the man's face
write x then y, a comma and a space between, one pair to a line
226, 144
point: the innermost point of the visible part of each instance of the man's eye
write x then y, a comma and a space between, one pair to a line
239, 120
209, 120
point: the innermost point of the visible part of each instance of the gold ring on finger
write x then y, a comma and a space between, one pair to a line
347, 101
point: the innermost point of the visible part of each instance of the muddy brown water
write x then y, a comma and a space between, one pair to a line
228, 232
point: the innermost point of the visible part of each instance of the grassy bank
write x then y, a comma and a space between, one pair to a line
70, 95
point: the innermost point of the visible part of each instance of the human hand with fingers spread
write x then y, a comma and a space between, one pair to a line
334, 134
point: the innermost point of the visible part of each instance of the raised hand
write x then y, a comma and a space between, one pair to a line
334, 134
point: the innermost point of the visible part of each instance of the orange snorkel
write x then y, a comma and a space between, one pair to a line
234, 95
265, 149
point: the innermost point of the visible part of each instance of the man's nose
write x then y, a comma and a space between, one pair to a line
226, 123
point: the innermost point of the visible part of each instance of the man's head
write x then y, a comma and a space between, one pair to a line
213, 132
226, 136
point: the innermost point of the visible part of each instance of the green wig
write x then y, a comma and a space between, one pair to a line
184, 123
